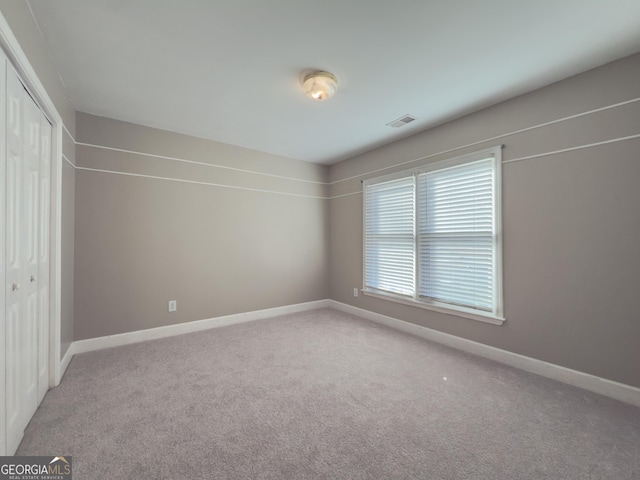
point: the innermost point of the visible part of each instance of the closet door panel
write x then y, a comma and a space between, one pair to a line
25, 139
30, 223
3, 176
14, 298
43, 257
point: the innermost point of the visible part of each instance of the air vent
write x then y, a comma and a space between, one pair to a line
402, 121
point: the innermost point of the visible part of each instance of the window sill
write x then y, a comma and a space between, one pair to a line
449, 310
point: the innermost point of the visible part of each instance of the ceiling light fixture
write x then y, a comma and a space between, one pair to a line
320, 85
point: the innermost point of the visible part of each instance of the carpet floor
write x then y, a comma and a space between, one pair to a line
324, 395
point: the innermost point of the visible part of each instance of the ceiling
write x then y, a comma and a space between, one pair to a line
231, 70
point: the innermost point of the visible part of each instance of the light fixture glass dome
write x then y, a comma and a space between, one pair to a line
320, 85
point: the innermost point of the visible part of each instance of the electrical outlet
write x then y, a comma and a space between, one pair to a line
355, 292
173, 305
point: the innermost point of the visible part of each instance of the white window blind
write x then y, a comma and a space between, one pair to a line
390, 236
456, 235
432, 235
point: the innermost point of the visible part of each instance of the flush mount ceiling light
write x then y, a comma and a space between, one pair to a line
320, 85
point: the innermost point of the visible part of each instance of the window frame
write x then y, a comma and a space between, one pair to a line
493, 317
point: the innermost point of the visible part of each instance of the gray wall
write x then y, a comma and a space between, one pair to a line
571, 222
20, 20
216, 227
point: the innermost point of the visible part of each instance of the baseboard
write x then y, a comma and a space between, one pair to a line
618, 391
82, 346
66, 359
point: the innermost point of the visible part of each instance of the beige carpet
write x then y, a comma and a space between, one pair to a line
324, 395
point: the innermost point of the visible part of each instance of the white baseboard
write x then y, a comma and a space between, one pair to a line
592, 383
66, 359
82, 346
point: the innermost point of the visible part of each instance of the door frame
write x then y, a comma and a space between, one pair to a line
25, 70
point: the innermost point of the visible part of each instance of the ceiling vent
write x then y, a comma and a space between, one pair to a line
402, 121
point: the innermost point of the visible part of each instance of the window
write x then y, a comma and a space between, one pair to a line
432, 236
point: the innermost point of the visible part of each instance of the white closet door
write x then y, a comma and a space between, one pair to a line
25, 213
22, 259
14, 297
30, 250
43, 257
3, 176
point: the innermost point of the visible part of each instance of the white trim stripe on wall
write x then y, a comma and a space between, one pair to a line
571, 149
531, 157
68, 161
69, 133
184, 160
221, 185
408, 162
538, 155
498, 137
205, 164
